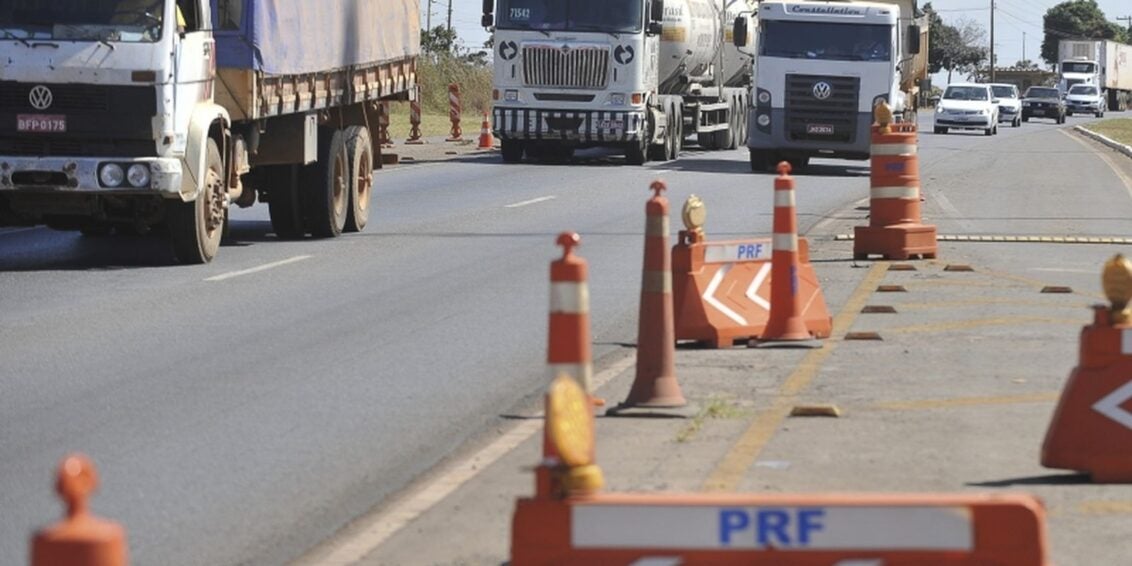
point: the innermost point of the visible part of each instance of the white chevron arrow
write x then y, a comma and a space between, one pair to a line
1110, 405
709, 296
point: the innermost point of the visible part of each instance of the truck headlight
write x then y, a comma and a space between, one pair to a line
617, 99
511, 95
764, 97
138, 175
111, 175
763, 120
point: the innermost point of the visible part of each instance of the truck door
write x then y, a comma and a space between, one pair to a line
195, 60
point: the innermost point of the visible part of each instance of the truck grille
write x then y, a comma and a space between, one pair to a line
102, 121
830, 119
579, 67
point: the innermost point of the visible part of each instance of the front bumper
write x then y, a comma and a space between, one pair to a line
849, 135
964, 121
80, 174
1041, 112
1006, 114
1074, 107
588, 126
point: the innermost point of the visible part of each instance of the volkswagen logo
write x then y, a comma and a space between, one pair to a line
822, 90
40, 97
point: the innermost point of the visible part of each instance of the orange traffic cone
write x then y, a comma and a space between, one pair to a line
81, 539
1091, 430
655, 388
786, 324
486, 139
568, 350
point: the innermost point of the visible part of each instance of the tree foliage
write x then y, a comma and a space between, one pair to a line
1076, 19
954, 47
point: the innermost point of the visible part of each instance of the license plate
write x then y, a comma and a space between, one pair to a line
41, 123
820, 129
611, 124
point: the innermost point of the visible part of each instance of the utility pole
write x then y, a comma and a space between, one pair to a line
428, 24
1126, 19
992, 41
449, 16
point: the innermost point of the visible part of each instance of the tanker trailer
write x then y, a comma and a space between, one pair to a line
638, 75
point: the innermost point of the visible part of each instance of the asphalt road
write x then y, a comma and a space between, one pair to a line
241, 412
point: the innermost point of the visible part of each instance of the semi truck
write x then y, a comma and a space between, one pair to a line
638, 75
819, 70
130, 115
1105, 64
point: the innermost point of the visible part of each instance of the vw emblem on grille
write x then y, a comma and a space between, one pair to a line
822, 90
40, 97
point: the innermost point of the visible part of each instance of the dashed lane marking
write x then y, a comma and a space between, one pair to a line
1029, 239
265, 267
529, 202
980, 322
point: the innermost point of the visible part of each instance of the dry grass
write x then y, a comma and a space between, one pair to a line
1118, 129
433, 124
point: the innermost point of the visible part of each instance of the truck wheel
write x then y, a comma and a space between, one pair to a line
327, 180
195, 227
676, 135
637, 152
359, 146
283, 202
512, 150
725, 139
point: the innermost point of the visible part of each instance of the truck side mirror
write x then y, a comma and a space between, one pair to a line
656, 12
739, 32
913, 39
654, 28
488, 13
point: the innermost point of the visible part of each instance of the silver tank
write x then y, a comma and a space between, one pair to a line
692, 38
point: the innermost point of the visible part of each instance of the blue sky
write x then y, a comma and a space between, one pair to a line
1013, 18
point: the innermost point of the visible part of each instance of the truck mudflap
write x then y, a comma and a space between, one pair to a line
577, 125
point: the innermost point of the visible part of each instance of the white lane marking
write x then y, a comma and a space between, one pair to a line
264, 267
1111, 164
376, 527
18, 230
951, 211
529, 202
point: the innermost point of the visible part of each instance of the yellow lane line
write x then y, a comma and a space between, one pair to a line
730, 471
967, 402
986, 301
975, 323
1105, 507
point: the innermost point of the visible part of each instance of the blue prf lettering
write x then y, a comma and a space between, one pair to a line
773, 522
809, 521
731, 520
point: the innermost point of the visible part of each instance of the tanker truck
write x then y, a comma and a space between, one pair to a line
1105, 64
127, 115
638, 75
819, 70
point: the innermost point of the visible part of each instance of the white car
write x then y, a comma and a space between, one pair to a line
1085, 99
1009, 103
967, 106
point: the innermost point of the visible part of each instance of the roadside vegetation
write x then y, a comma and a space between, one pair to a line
1118, 129
443, 62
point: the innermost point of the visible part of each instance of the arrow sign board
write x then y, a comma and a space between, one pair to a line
711, 527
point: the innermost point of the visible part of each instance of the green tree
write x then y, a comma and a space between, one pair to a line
1075, 19
438, 40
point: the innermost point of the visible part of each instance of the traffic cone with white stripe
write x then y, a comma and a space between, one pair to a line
895, 231
487, 141
568, 348
655, 389
786, 324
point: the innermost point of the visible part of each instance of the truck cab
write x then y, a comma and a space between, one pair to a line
108, 120
1078, 71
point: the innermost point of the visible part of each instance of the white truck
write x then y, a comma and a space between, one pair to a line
1105, 64
133, 114
641, 75
819, 70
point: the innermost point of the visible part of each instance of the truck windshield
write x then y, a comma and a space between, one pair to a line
78, 20
610, 16
1077, 67
814, 40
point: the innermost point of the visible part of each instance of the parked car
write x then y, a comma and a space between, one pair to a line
1085, 99
1043, 102
1009, 103
967, 106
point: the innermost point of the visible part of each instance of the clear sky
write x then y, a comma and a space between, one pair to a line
1013, 18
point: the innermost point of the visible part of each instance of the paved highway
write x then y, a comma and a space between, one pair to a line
242, 411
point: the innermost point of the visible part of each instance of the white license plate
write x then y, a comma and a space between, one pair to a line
611, 124
820, 129
41, 123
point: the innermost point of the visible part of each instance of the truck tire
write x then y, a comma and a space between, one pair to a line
195, 227
512, 150
675, 139
359, 146
637, 153
327, 183
284, 204
725, 139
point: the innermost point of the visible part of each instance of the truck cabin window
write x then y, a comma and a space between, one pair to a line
609, 16
138, 21
815, 40
1070, 67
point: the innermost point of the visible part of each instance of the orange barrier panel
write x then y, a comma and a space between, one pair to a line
655, 385
895, 230
487, 141
568, 521
454, 111
568, 338
81, 539
1091, 430
722, 290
